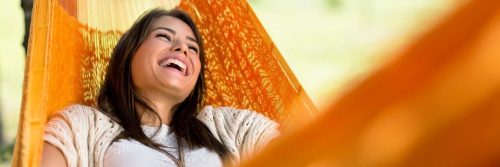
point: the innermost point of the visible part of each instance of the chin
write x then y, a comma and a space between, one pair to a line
178, 95
177, 89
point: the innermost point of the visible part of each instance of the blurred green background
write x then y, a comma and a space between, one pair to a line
329, 44
12, 56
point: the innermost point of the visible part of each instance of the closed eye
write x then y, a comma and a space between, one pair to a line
164, 37
193, 49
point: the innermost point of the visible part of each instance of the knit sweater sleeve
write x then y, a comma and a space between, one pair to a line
243, 132
72, 132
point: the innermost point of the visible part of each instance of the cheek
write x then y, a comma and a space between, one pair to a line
196, 72
141, 60
138, 70
198, 67
135, 70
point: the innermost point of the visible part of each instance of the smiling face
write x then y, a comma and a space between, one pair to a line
167, 63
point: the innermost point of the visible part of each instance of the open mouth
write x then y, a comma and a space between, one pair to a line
175, 64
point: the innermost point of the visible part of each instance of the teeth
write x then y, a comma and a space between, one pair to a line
169, 61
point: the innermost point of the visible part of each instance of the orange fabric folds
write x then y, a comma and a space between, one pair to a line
436, 104
52, 77
71, 42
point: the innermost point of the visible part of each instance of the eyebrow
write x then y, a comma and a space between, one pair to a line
192, 39
173, 32
165, 28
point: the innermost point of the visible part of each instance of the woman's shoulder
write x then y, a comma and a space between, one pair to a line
79, 122
211, 111
80, 132
80, 114
78, 109
231, 114
243, 131
233, 121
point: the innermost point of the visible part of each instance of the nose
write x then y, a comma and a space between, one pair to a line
180, 46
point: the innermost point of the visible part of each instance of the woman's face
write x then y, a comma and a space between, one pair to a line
167, 64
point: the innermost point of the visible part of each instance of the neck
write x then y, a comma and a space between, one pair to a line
164, 110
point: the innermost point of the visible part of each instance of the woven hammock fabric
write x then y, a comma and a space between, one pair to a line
436, 104
71, 42
244, 67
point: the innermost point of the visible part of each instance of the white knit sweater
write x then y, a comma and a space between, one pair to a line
83, 133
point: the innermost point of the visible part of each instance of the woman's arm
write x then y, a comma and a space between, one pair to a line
52, 156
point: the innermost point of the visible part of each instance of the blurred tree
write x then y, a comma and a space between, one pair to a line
333, 3
2, 141
27, 6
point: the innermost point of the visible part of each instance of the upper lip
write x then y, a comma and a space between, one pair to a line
179, 57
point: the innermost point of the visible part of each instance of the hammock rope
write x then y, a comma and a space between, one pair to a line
71, 42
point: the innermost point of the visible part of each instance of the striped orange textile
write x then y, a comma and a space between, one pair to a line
244, 67
436, 104
70, 44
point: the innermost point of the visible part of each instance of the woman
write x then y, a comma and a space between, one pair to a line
149, 109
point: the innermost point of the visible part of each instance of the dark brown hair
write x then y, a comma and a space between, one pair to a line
118, 97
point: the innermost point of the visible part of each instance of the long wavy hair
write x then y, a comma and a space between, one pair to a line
118, 97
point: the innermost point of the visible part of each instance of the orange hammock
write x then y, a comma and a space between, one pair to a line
71, 41
435, 104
